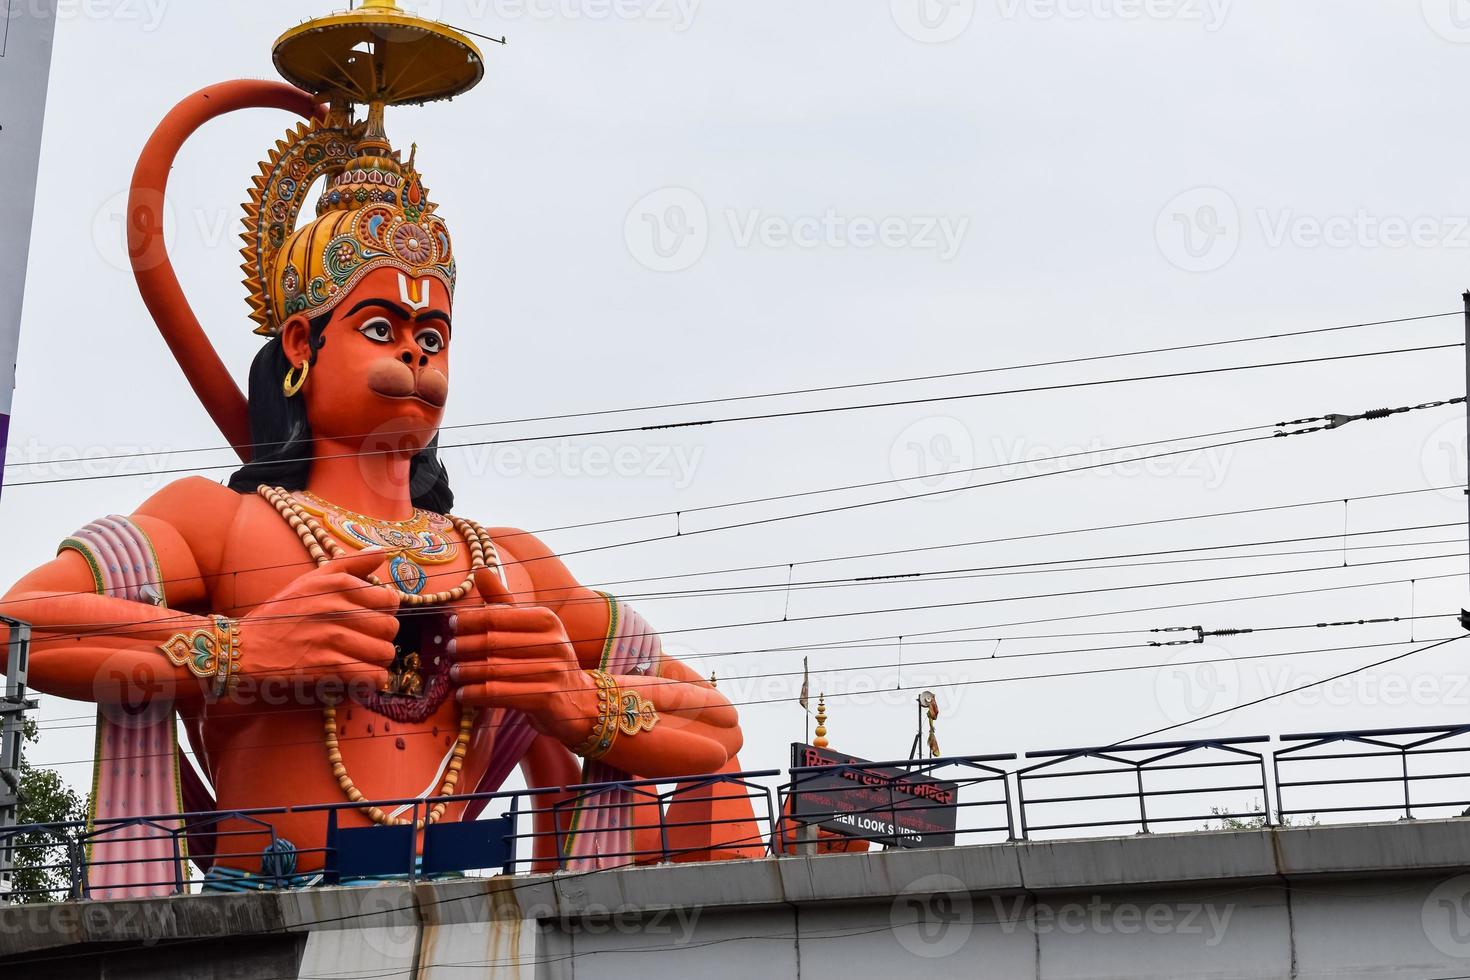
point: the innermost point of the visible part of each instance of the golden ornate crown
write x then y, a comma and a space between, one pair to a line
374, 212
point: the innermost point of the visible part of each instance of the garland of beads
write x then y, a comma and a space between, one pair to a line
322, 547
376, 814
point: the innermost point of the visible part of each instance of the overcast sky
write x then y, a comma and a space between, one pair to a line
667, 200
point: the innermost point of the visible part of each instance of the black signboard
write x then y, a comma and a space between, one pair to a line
890, 805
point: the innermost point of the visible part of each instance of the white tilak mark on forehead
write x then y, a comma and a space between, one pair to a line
424, 288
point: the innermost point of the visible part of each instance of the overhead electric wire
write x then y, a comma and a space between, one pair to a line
769, 416
918, 638
928, 683
1058, 566
1432, 644
1033, 536
913, 638
1335, 501
122, 629
681, 533
702, 402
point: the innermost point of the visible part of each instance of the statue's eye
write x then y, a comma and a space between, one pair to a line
377, 330
430, 340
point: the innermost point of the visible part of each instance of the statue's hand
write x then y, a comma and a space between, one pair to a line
330, 622
519, 657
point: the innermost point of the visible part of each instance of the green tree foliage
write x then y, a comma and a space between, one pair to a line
45, 798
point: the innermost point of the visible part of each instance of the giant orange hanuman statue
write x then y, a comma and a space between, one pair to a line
323, 627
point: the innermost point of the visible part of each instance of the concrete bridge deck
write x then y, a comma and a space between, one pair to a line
1362, 900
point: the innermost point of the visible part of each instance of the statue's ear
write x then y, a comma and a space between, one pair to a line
296, 340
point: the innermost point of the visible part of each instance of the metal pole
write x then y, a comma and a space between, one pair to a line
12, 731
1465, 616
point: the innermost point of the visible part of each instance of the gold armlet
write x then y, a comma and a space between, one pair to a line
605, 725
619, 712
211, 653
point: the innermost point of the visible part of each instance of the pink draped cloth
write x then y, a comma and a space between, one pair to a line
601, 833
136, 765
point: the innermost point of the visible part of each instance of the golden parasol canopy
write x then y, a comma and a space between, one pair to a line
379, 53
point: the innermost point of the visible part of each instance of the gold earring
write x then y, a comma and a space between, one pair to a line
292, 387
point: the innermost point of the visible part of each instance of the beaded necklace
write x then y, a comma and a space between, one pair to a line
322, 547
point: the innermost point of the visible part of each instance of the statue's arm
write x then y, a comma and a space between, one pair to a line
83, 642
540, 659
326, 623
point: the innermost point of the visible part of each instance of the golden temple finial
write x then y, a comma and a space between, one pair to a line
821, 739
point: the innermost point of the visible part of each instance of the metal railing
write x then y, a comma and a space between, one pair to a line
1124, 780
1411, 771
1389, 774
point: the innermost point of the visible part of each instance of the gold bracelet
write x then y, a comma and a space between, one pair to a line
211, 653
605, 729
619, 712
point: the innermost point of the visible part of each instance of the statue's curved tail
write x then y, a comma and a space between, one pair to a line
148, 252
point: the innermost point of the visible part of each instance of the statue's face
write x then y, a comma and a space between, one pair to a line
382, 375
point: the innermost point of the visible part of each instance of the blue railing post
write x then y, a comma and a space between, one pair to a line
513, 841
1408, 802
330, 875
178, 862
413, 841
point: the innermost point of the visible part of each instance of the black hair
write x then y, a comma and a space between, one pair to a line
282, 436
